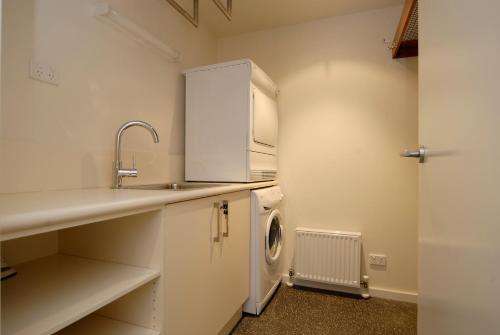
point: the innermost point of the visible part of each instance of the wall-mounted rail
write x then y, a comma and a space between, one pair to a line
105, 12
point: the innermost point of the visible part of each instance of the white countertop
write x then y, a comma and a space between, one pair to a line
23, 214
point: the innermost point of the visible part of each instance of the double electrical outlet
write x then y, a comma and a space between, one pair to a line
43, 72
380, 260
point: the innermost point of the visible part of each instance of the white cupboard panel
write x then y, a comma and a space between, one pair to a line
206, 282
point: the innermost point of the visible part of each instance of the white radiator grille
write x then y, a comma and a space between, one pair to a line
325, 256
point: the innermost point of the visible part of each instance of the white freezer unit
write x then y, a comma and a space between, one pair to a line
231, 123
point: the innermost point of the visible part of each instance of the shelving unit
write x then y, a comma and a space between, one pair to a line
98, 325
53, 292
406, 38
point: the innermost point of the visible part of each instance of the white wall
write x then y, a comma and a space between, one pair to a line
346, 111
60, 137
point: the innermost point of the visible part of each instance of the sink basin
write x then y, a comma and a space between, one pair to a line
171, 186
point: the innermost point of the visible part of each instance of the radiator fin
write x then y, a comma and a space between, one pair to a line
325, 256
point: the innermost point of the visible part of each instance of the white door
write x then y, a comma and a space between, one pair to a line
459, 232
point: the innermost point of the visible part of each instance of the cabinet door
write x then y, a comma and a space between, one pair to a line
206, 281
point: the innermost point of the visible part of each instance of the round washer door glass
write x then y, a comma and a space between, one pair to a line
274, 237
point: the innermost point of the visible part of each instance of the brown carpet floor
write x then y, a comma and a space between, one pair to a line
303, 311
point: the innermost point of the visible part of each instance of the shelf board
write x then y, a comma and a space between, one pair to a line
406, 38
53, 292
99, 325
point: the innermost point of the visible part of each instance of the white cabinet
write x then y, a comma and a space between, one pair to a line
206, 264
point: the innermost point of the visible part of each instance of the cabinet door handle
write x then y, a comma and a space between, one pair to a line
226, 234
225, 208
217, 211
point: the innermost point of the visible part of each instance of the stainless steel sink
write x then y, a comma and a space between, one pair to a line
171, 186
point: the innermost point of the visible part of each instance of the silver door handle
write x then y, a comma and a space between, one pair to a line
419, 153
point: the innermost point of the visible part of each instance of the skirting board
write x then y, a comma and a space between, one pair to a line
394, 294
232, 322
378, 292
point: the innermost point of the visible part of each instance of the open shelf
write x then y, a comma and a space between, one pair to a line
53, 292
98, 325
406, 38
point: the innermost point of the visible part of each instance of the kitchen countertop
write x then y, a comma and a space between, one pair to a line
24, 214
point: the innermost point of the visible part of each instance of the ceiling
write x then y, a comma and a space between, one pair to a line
253, 15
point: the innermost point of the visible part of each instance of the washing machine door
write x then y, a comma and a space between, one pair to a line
274, 237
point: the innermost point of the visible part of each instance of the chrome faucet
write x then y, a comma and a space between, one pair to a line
118, 171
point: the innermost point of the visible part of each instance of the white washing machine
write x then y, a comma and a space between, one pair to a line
266, 247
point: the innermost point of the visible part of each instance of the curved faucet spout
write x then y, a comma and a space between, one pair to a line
118, 172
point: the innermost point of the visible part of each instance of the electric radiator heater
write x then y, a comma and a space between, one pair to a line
328, 257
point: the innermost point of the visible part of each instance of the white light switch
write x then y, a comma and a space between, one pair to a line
43, 72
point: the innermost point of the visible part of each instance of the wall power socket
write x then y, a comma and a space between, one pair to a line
43, 72
380, 260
